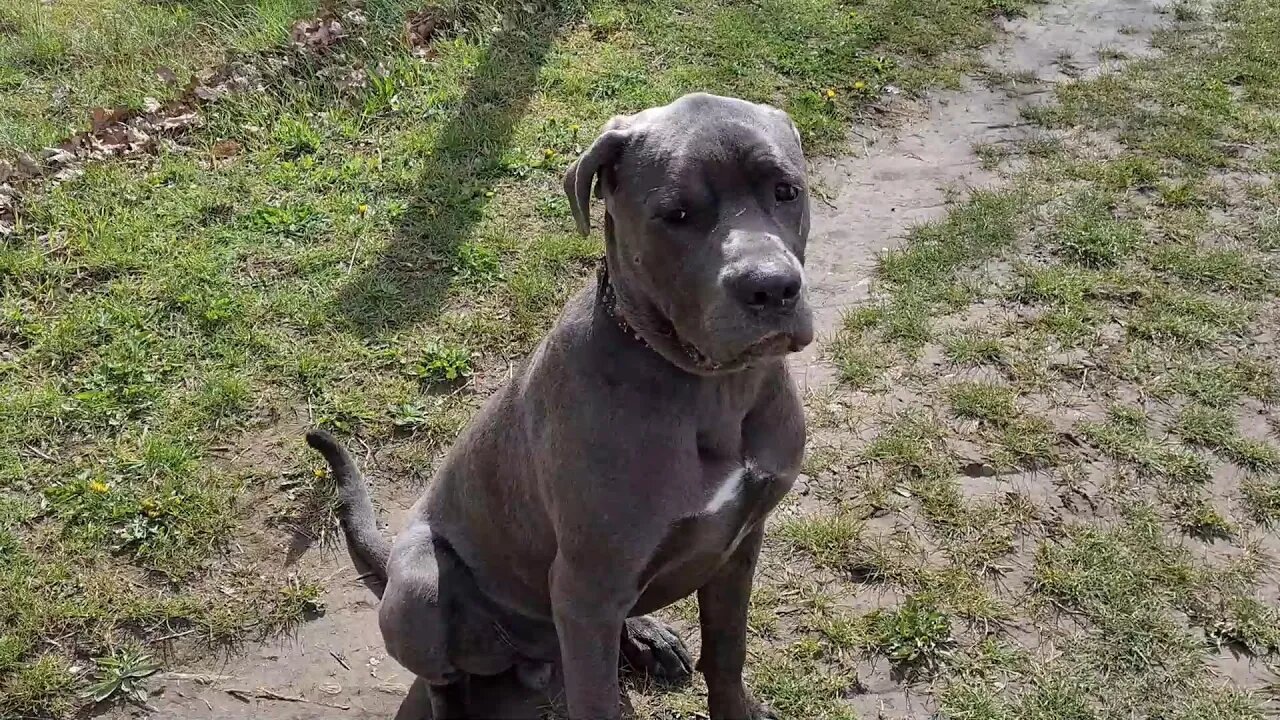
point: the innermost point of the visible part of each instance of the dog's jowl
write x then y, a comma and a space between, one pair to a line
632, 460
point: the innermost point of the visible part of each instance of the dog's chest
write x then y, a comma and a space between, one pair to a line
698, 544
745, 493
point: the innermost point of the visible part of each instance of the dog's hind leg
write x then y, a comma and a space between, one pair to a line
433, 624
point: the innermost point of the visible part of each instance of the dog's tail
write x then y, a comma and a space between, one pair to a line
368, 548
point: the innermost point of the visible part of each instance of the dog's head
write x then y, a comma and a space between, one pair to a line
706, 220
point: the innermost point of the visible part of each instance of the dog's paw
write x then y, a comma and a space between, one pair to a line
652, 648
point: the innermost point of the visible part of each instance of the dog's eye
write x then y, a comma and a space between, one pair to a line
786, 192
676, 216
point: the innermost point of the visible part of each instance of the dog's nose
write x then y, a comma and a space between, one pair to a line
773, 286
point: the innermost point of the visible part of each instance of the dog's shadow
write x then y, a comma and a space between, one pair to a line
410, 281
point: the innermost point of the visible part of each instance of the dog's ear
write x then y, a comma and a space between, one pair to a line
593, 163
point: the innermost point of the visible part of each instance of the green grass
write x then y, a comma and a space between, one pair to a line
860, 359
833, 542
1124, 435
799, 684
1089, 234
1196, 516
1220, 384
915, 636
1248, 623
1028, 441
973, 348
1219, 270
1262, 499
994, 404
909, 447
1217, 430
1128, 582
927, 263
923, 272
1188, 320
1022, 439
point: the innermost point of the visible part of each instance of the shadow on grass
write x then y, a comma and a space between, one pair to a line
410, 281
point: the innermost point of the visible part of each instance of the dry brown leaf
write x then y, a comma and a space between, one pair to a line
113, 140
100, 118
167, 75
422, 27
28, 165
224, 149
137, 136
175, 122
58, 156
207, 93
317, 35
69, 173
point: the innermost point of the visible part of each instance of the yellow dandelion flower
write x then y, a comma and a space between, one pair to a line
362, 208
859, 85
319, 472
98, 486
831, 93
575, 127
548, 152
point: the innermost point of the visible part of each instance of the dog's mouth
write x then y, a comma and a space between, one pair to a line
775, 344
771, 345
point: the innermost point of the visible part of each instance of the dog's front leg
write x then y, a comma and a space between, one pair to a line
589, 620
722, 612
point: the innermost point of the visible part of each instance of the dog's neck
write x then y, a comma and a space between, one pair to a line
607, 298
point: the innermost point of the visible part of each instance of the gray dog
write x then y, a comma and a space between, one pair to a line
633, 459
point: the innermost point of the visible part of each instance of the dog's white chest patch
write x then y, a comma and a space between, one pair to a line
730, 488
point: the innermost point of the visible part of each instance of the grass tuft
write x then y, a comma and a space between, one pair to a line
1197, 517
1089, 234
859, 359
972, 349
1216, 430
1262, 499
916, 636
834, 541
990, 403
909, 447
1216, 270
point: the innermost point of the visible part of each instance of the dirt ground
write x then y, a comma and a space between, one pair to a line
906, 169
